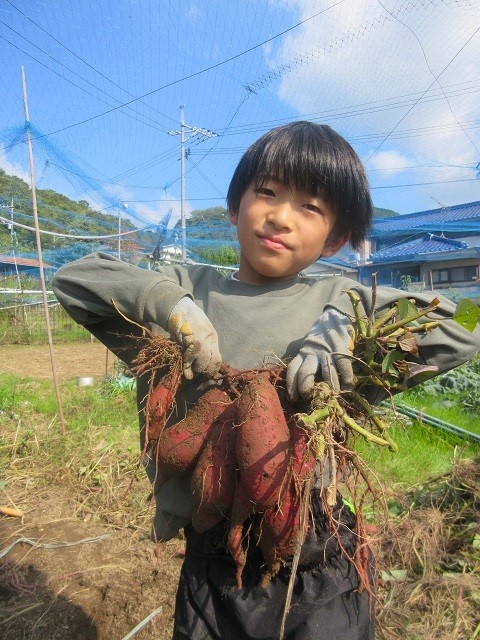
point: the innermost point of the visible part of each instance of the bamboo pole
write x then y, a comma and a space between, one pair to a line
39, 253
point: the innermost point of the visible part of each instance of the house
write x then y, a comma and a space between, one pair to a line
436, 249
334, 266
17, 265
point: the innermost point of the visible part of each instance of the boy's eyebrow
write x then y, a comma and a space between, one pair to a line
269, 178
277, 180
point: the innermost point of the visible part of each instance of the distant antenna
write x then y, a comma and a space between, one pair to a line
193, 131
443, 207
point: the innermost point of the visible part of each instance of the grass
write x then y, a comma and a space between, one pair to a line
98, 457
423, 451
26, 325
102, 405
447, 409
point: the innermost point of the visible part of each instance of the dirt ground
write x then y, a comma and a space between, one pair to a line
69, 360
63, 576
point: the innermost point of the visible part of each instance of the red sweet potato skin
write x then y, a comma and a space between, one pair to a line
159, 402
214, 477
279, 529
263, 451
262, 444
180, 445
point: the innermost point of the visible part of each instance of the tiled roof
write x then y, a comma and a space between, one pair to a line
461, 217
427, 244
23, 262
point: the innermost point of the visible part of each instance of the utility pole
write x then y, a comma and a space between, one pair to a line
190, 132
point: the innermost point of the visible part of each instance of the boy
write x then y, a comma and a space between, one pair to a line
298, 193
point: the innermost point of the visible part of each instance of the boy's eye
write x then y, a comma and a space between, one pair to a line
312, 207
265, 191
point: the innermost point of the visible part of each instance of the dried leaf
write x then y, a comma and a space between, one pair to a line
408, 343
414, 370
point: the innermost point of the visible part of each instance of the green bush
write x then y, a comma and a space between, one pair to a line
224, 256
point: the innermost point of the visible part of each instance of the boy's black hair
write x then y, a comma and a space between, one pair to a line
314, 158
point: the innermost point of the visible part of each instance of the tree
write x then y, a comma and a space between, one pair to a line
202, 216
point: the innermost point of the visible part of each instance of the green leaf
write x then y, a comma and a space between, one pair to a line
405, 308
467, 314
390, 358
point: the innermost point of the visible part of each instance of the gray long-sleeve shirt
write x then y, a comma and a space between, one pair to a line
257, 325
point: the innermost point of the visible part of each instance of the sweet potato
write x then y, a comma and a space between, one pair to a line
262, 450
179, 446
214, 477
279, 529
159, 402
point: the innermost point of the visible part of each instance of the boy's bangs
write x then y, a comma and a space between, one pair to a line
295, 161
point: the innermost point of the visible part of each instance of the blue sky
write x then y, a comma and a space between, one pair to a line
105, 81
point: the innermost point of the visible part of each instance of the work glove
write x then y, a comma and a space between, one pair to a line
190, 327
326, 351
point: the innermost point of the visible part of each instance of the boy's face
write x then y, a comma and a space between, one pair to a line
281, 232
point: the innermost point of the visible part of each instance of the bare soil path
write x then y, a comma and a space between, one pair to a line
71, 360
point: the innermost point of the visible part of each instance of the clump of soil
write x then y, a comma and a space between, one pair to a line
68, 576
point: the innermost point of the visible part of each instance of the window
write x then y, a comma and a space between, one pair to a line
471, 273
455, 274
440, 275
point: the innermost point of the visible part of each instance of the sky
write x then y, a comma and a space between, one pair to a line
106, 84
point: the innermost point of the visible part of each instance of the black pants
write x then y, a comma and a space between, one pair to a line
325, 603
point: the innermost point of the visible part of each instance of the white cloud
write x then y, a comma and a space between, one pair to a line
13, 168
404, 89
390, 162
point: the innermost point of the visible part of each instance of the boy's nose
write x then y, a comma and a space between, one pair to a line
280, 215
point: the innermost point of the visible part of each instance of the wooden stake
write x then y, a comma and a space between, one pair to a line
39, 252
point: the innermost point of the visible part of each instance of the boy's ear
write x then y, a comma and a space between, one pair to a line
233, 216
334, 243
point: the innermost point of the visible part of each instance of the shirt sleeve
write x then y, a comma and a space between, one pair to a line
100, 286
446, 346
116, 301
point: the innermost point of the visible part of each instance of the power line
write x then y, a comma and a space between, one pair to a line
423, 94
196, 73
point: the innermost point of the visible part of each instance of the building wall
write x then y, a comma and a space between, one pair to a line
443, 274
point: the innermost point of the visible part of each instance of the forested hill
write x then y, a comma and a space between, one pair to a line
56, 213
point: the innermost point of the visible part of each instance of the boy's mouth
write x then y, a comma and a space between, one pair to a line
273, 242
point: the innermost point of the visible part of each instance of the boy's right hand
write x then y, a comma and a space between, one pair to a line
190, 327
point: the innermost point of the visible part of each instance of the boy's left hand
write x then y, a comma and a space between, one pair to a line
327, 350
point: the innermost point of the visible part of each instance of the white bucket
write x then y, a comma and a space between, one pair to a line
84, 382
